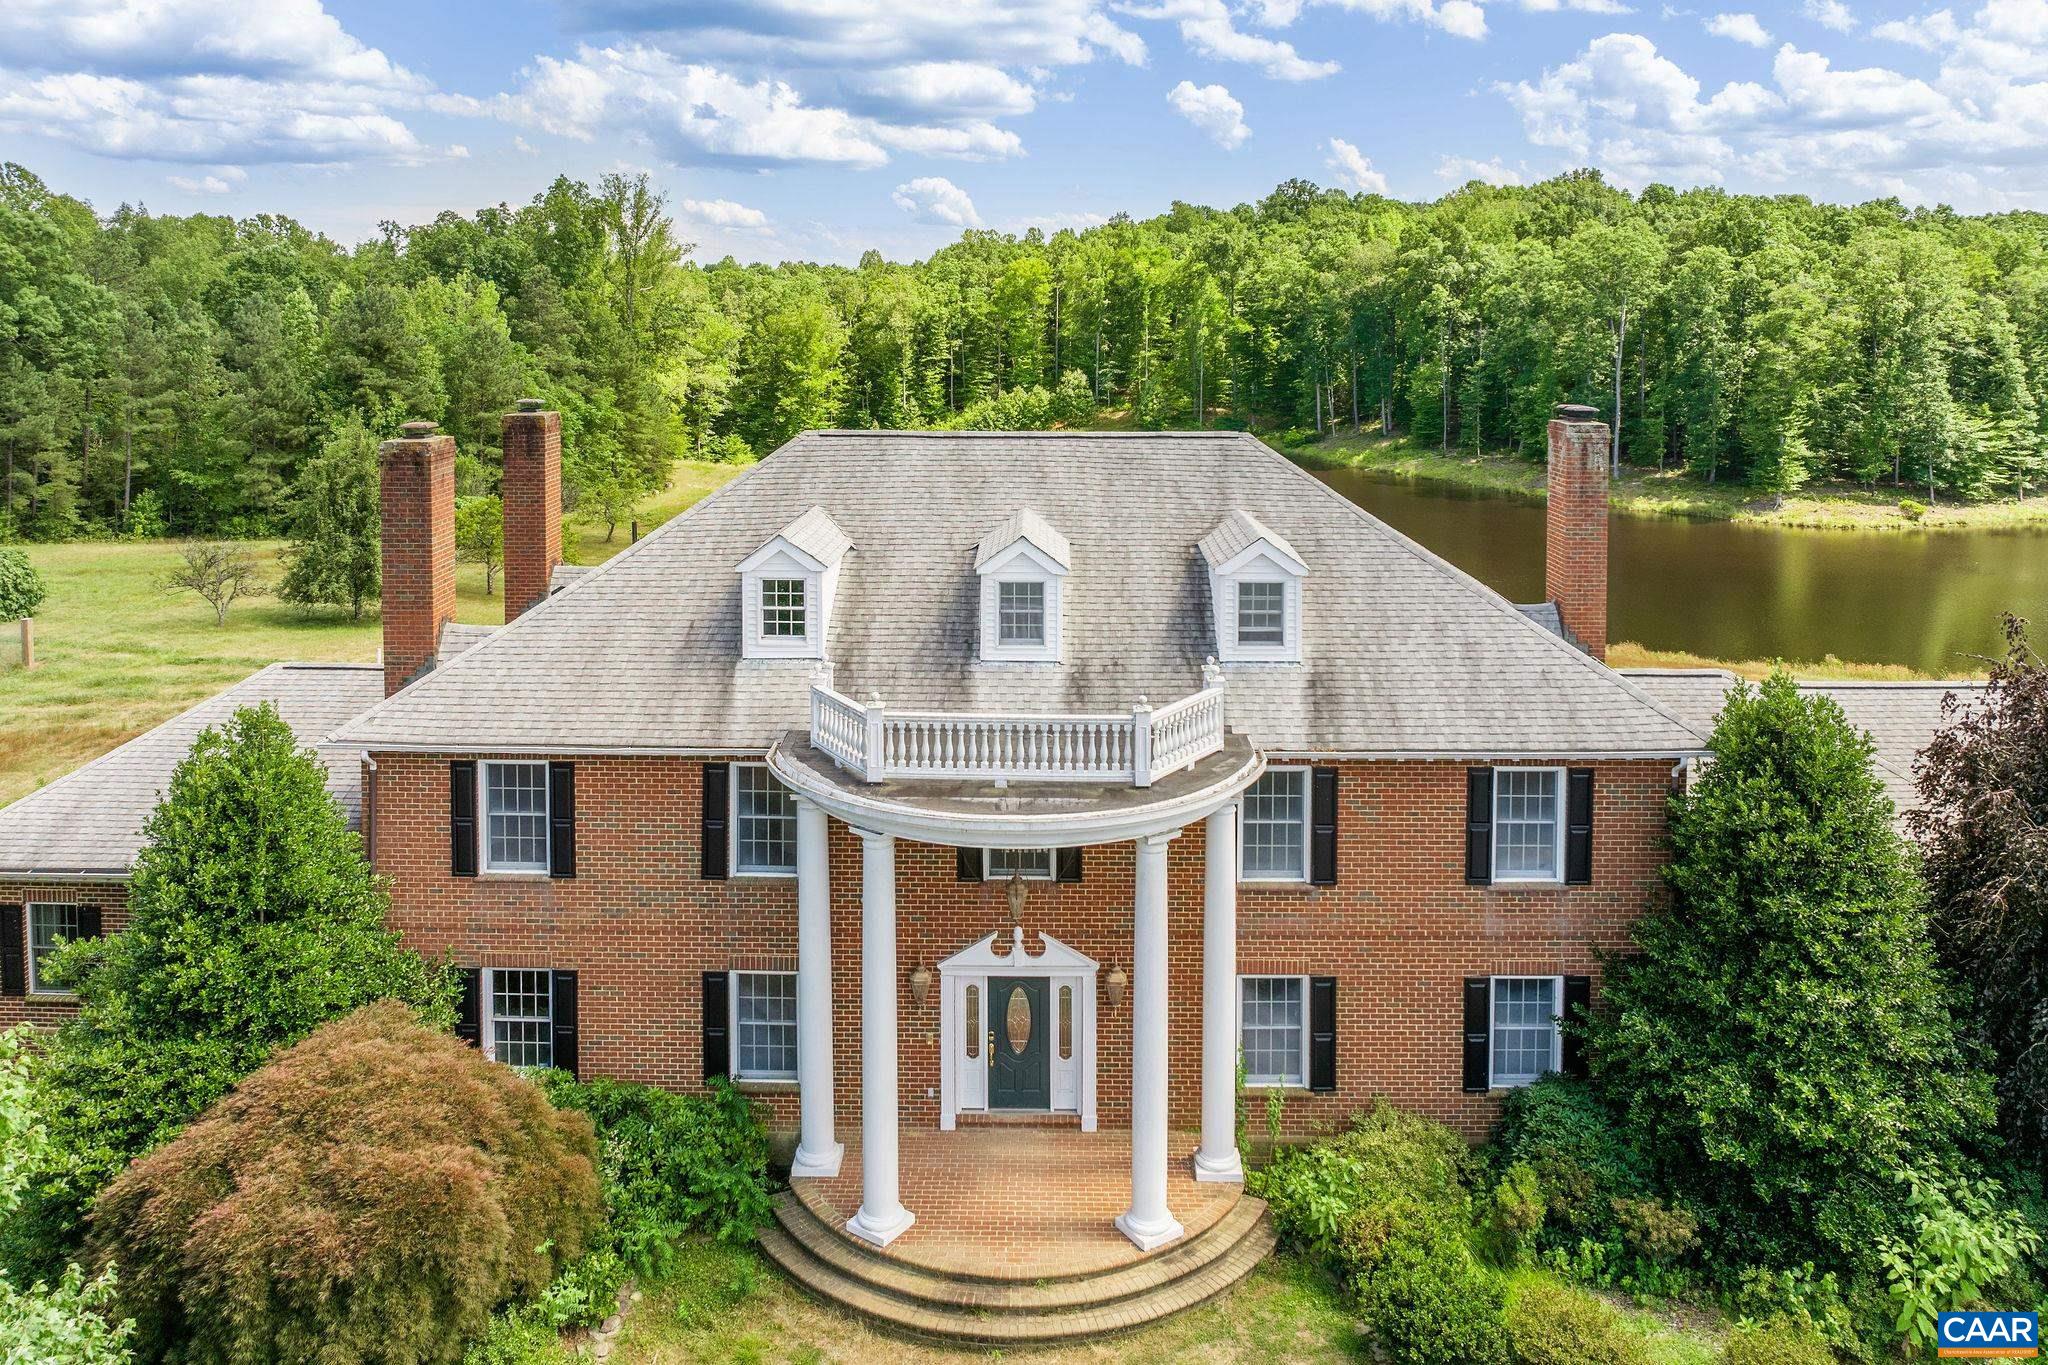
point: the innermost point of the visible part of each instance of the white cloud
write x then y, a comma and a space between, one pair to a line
523, 147
1831, 14
723, 213
1208, 28
1212, 109
1928, 32
222, 180
950, 89
936, 200
1460, 170
1353, 168
1742, 28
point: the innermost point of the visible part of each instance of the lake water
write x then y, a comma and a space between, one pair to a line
1926, 599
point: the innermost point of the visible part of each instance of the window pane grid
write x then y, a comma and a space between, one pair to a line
522, 1017
1019, 862
1262, 613
1270, 1029
765, 828
516, 806
48, 925
1020, 613
1524, 1028
1525, 823
782, 608
767, 1025
1276, 824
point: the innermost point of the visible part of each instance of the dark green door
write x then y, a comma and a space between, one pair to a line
1020, 1055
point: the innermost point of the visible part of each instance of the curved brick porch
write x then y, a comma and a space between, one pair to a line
1019, 1203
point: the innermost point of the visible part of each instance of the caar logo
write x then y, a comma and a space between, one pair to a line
2012, 1336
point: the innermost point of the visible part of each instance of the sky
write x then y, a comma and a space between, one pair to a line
815, 129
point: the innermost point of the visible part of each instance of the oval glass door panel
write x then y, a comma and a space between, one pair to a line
1017, 1020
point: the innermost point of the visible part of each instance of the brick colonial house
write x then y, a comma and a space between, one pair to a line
922, 782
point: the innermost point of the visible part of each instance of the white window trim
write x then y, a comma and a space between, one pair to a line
1052, 865
487, 1006
28, 946
1493, 1080
1287, 650
1259, 563
1556, 878
483, 822
732, 831
1307, 834
732, 1031
775, 560
1022, 562
1252, 1082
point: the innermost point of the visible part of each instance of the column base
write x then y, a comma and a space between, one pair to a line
1226, 1171
817, 1165
864, 1226
1149, 1236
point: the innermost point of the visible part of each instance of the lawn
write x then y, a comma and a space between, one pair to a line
117, 655
1628, 654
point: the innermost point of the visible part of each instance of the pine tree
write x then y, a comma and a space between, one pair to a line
333, 558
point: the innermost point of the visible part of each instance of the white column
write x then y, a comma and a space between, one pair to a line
1216, 1158
818, 1151
882, 1217
1148, 1222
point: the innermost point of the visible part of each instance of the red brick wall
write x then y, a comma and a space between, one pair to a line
533, 506
1400, 931
1575, 531
111, 897
417, 502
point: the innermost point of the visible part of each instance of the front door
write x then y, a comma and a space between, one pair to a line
1020, 1055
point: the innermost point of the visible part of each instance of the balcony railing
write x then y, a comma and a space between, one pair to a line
878, 744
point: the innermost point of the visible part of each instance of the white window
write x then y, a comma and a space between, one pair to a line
1272, 1029
1020, 612
1262, 614
49, 924
1525, 1039
1528, 824
1000, 864
1273, 828
764, 1026
521, 1030
787, 586
782, 609
763, 824
1255, 586
515, 831
1023, 565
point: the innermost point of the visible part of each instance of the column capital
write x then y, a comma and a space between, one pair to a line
1158, 841
874, 836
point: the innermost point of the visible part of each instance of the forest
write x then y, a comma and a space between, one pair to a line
186, 375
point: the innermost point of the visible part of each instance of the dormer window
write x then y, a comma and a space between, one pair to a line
1023, 566
786, 589
1255, 584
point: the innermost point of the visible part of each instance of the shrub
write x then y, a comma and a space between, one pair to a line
1429, 1303
672, 1164
1517, 1212
370, 1194
1550, 1323
64, 1325
1657, 1234
1386, 1158
1964, 1246
1777, 1341
21, 587
1561, 1130
1912, 509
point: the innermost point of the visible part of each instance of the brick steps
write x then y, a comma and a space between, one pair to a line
936, 1307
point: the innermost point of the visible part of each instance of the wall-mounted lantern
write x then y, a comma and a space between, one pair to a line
920, 983
1115, 986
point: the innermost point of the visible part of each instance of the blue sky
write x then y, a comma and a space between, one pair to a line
816, 128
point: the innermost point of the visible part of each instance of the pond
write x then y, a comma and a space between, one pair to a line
1925, 599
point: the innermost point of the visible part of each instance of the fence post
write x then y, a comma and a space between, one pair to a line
1141, 743
871, 769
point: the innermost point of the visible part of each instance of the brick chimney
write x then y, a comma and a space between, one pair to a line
533, 504
418, 504
1575, 525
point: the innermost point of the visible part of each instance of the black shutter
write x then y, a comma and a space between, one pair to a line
1478, 1000
564, 1021
717, 1053
469, 1013
13, 952
967, 864
89, 923
462, 817
1066, 865
1322, 1033
562, 820
717, 777
1479, 826
1578, 826
1322, 831
1578, 1007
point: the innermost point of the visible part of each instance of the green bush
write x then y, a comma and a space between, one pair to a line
21, 587
371, 1194
65, 1324
1516, 1215
1777, 1341
672, 1164
1551, 1323
1387, 1158
1430, 1303
1966, 1250
1562, 1131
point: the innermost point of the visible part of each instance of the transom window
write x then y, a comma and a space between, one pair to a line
1528, 828
1262, 614
1525, 1036
1002, 863
523, 1016
516, 817
1272, 1036
782, 609
50, 923
764, 1026
1273, 829
1020, 613
764, 823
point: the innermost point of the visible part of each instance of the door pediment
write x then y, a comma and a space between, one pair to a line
981, 958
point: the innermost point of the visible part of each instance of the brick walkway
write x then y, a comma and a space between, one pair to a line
1018, 1203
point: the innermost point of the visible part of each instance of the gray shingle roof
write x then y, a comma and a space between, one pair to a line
1543, 614
457, 637
1024, 524
1403, 654
1237, 532
817, 535
90, 820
